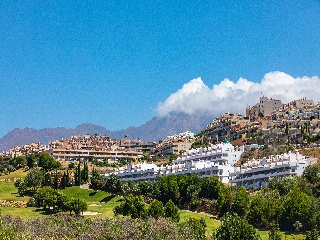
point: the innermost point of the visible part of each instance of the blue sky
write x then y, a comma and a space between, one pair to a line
113, 62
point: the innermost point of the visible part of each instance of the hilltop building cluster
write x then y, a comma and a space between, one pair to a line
295, 122
97, 147
102, 147
230, 127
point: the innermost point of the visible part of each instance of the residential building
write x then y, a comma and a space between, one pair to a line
256, 173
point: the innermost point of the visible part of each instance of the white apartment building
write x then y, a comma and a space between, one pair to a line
256, 173
149, 172
223, 153
217, 160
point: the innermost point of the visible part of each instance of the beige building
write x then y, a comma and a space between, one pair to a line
172, 146
301, 103
268, 105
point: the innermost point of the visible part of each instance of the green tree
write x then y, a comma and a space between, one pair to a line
297, 206
11, 168
274, 232
264, 208
77, 205
311, 173
47, 163
56, 180
21, 186
240, 203
155, 209
45, 197
312, 235
145, 188
113, 184
18, 162
64, 181
198, 228
133, 206
85, 173
97, 182
255, 213
78, 175
211, 188
31, 160
167, 188
224, 201
69, 182
34, 179
171, 211
128, 187
236, 228
47, 179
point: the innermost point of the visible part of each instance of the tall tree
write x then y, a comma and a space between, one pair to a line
64, 181
34, 179
31, 160
78, 175
240, 203
47, 162
297, 206
56, 181
113, 184
85, 173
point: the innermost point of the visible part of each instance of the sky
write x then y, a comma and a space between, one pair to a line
119, 63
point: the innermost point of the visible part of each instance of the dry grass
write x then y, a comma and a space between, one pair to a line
311, 152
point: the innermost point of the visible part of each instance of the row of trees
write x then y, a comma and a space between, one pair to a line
181, 189
53, 200
285, 201
44, 160
135, 207
37, 178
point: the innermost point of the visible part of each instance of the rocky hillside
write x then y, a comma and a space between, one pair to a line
155, 129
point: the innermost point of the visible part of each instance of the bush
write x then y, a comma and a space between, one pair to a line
235, 228
10, 168
63, 226
312, 235
171, 211
198, 228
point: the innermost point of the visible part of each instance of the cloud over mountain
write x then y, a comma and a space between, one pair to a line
228, 96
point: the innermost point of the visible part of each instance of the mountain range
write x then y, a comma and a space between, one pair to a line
155, 129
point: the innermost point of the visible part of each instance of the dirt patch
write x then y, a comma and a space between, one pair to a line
95, 205
5, 203
89, 213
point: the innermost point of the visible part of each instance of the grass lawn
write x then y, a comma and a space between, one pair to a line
101, 202
89, 195
22, 212
211, 222
9, 192
16, 174
287, 236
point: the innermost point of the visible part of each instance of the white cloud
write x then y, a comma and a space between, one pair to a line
229, 96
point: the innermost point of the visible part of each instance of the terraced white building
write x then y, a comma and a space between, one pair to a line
256, 173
